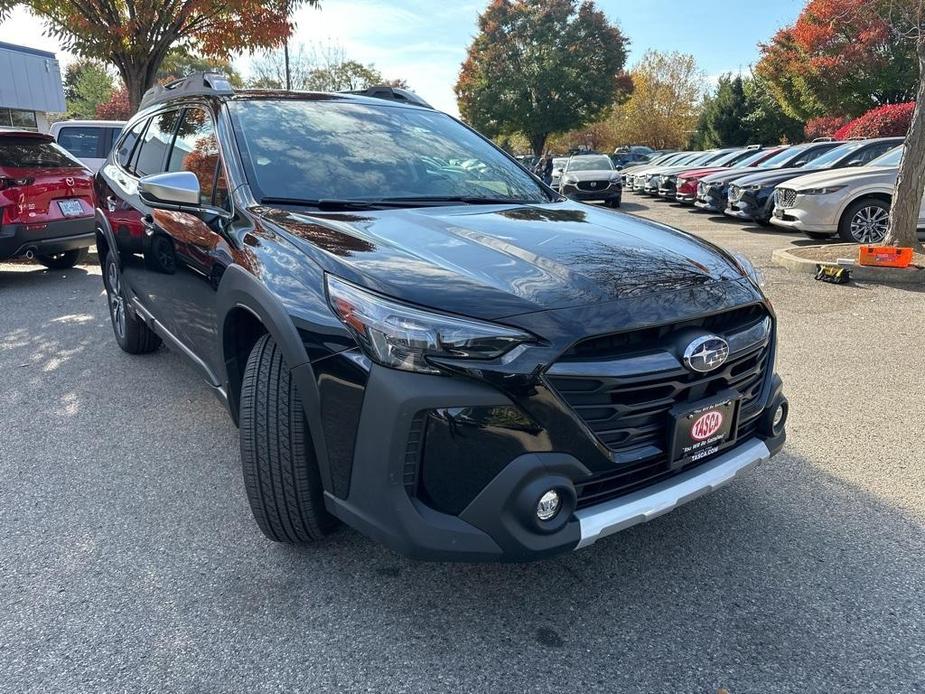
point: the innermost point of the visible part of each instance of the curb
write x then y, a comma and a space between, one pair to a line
887, 275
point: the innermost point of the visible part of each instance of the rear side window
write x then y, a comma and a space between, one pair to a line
868, 154
29, 153
195, 149
83, 142
152, 155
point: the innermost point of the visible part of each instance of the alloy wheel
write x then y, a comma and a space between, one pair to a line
116, 300
869, 224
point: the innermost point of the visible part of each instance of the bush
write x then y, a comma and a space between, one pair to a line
823, 127
892, 120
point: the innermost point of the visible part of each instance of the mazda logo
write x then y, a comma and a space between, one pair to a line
706, 353
594, 184
69, 182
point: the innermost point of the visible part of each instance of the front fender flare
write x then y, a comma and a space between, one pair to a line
240, 289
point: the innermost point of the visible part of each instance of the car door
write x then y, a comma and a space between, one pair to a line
147, 263
199, 246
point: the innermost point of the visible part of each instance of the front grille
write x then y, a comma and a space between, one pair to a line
627, 410
701, 189
785, 197
735, 193
592, 186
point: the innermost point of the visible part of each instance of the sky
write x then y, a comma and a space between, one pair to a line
425, 41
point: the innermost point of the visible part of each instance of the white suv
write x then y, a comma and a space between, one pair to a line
88, 140
853, 203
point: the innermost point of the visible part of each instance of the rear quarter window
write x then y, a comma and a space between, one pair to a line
32, 153
83, 142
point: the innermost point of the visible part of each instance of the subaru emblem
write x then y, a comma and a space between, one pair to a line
706, 353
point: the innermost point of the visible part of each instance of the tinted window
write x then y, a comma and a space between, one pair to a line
128, 143
196, 149
83, 142
153, 151
310, 150
811, 154
29, 152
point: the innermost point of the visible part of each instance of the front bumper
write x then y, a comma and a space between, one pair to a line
450, 469
814, 213
712, 199
51, 237
614, 191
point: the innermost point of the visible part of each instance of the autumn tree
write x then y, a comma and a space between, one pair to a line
539, 67
136, 36
664, 107
840, 58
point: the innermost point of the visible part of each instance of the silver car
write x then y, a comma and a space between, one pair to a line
853, 203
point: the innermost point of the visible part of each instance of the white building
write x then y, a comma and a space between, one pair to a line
30, 87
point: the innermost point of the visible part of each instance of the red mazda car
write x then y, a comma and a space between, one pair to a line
46, 201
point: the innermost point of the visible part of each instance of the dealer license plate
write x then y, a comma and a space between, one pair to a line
702, 429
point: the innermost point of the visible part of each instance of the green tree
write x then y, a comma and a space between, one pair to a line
766, 121
87, 84
539, 67
722, 120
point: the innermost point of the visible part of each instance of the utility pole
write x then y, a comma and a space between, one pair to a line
286, 50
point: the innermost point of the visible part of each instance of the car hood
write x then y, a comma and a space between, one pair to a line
699, 173
726, 175
852, 176
503, 260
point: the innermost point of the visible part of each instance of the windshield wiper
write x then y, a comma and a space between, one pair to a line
334, 204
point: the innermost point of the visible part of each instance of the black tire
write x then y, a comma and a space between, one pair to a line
131, 332
63, 260
865, 221
818, 235
762, 221
280, 470
613, 202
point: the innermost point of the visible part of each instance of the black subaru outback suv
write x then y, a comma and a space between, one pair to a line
417, 337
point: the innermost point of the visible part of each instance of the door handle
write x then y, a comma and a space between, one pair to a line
111, 203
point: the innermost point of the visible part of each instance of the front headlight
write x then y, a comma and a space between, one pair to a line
571, 180
615, 177
820, 191
753, 187
748, 269
402, 337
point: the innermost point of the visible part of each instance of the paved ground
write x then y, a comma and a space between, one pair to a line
129, 561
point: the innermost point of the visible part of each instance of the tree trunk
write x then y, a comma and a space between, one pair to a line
538, 142
910, 183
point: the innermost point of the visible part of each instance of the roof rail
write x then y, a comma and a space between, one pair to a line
391, 94
857, 137
823, 139
196, 84
754, 146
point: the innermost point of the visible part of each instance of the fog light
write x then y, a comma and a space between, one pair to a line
548, 505
778, 416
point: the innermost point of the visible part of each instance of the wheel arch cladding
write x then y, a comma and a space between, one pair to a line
244, 303
104, 232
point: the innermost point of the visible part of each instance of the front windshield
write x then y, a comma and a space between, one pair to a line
559, 162
766, 164
589, 164
752, 158
310, 150
729, 158
890, 158
834, 155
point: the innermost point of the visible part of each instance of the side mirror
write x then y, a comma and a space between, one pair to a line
177, 190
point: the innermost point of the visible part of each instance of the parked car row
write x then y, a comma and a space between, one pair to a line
822, 188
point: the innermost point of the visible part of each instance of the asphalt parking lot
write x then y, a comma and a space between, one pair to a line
129, 560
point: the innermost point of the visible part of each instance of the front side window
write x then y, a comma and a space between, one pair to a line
310, 150
891, 158
82, 141
589, 164
195, 149
33, 152
152, 153
127, 146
